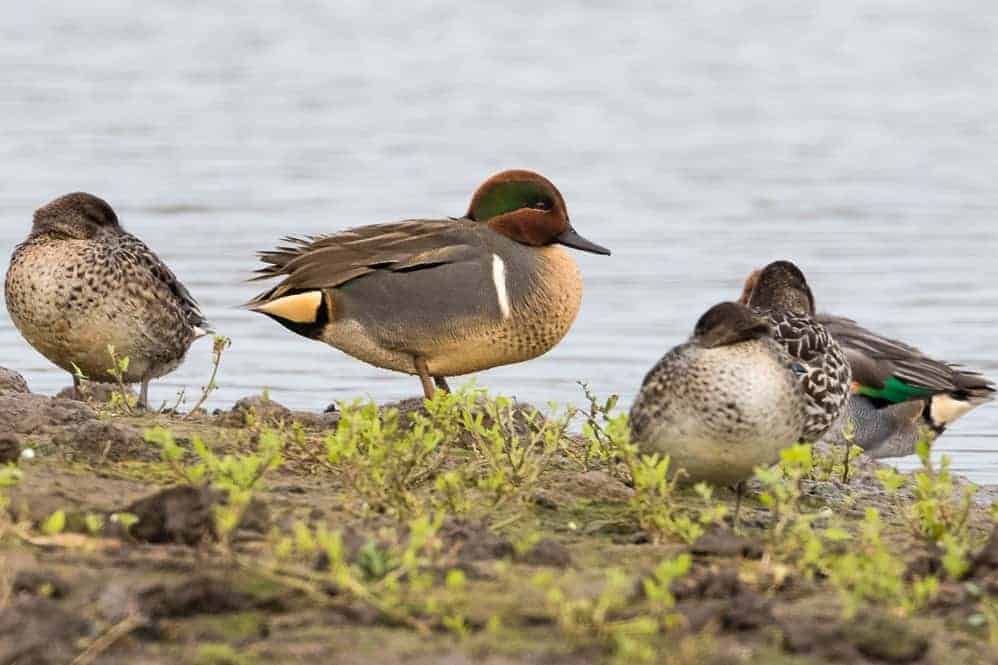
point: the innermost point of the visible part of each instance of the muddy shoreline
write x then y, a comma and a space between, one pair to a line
139, 567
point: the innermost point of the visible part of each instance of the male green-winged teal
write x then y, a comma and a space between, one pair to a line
438, 297
781, 293
80, 283
724, 402
899, 395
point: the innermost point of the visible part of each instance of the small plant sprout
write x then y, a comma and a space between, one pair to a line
237, 475
461, 452
653, 504
849, 434
219, 345
782, 485
120, 398
609, 618
891, 480
384, 462
941, 507
713, 511
94, 523
607, 437
868, 573
10, 475
987, 615
54, 524
80, 382
397, 578
658, 586
125, 520
513, 444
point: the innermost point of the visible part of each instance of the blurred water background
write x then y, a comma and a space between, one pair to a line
697, 140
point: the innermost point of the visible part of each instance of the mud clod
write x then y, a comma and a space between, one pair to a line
36, 631
474, 541
185, 515
887, 639
547, 552
708, 583
199, 595
180, 515
98, 441
10, 448
817, 635
40, 583
12, 382
724, 543
986, 560
317, 421
747, 611
26, 413
92, 391
595, 485
262, 408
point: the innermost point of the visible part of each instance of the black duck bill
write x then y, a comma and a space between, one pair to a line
571, 238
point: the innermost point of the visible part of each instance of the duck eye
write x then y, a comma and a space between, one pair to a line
542, 205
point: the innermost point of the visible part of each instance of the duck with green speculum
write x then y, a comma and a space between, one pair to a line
80, 284
899, 396
438, 297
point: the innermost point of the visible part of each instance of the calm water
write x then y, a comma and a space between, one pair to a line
859, 139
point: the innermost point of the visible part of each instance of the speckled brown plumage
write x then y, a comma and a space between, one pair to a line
781, 293
724, 402
80, 283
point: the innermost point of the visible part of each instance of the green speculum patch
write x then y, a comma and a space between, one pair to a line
509, 196
895, 390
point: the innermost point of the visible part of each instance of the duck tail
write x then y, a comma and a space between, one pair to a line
277, 260
303, 312
970, 390
203, 329
972, 386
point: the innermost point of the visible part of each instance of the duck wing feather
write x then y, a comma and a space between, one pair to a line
144, 259
875, 358
328, 261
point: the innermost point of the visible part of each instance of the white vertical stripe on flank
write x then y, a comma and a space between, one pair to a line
499, 278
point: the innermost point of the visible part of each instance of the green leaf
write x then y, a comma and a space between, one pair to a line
54, 524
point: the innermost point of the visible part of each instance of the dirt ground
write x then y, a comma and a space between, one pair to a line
165, 590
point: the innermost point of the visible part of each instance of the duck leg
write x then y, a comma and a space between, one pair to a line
845, 463
441, 383
739, 490
424, 376
144, 395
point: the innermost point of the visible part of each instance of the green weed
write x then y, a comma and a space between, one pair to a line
219, 345
513, 446
462, 451
121, 399
654, 503
607, 437
237, 475
940, 507
867, 572
400, 578
609, 618
940, 510
384, 462
10, 475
